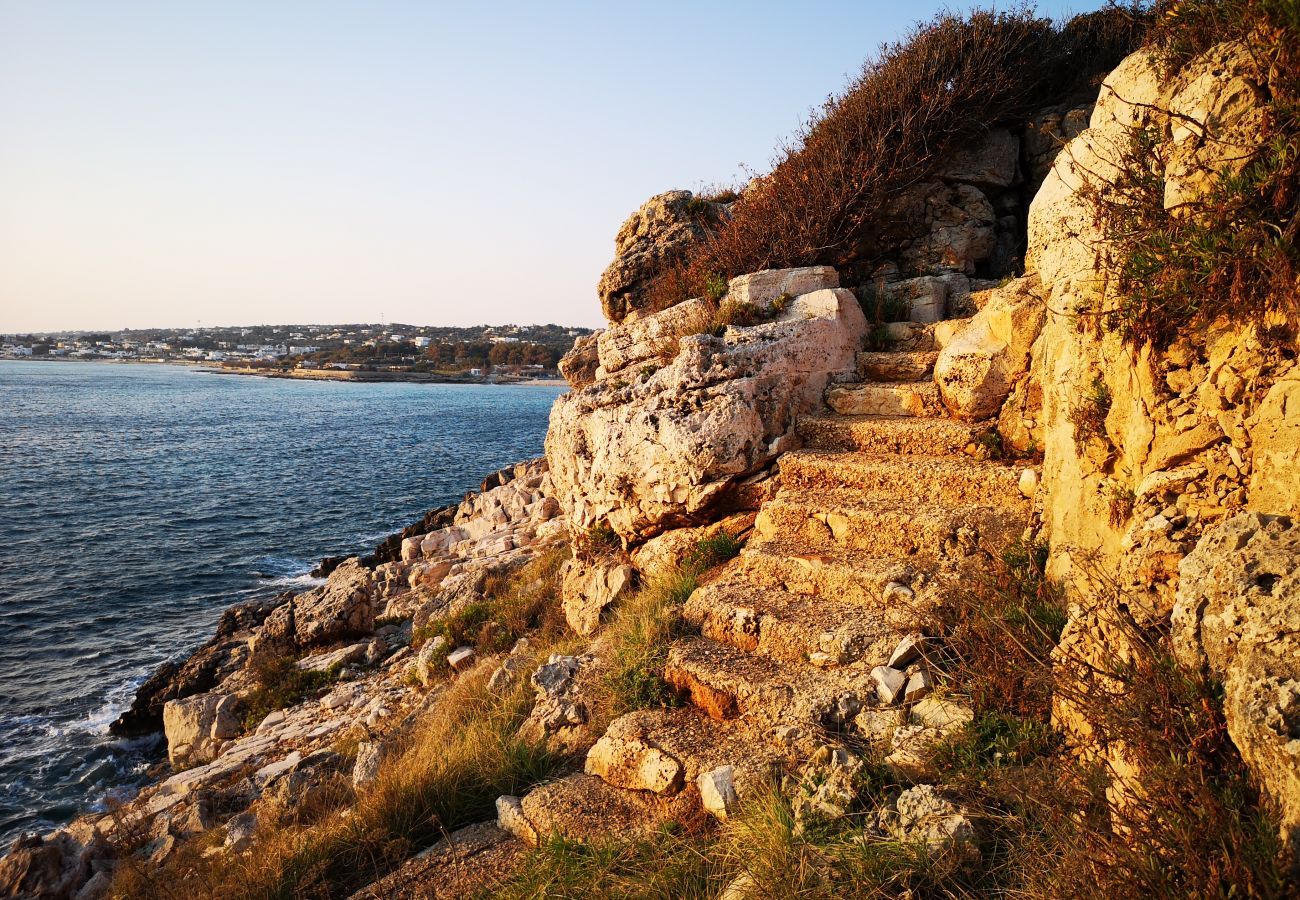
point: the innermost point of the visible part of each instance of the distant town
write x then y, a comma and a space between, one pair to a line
337, 352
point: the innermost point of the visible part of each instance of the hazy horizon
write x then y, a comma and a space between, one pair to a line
344, 162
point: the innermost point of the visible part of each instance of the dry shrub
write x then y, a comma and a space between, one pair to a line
939, 88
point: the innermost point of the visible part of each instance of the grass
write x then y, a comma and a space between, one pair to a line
645, 624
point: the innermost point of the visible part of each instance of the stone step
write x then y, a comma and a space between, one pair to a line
665, 751
846, 576
797, 628
915, 365
586, 809
889, 527
890, 434
919, 479
904, 398
726, 682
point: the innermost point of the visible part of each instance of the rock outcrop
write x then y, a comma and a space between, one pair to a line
1238, 617
653, 238
977, 370
654, 445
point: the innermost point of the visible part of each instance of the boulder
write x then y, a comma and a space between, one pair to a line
196, 727
978, 368
579, 365
625, 758
930, 298
667, 448
759, 289
1237, 615
341, 608
588, 588
653, 238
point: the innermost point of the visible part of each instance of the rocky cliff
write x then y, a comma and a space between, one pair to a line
919, 584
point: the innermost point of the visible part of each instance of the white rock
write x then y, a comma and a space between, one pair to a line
1029, 483
919, 685
907, 651
890, 683
461, 658
365, 770
718, 792
648, 454
761, 288
197, 726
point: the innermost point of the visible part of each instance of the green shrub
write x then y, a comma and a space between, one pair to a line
1089, 415
281, 684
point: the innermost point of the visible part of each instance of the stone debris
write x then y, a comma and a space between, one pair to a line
890, 684
908, 651
923, 815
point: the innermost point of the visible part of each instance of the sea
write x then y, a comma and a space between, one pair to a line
138, 501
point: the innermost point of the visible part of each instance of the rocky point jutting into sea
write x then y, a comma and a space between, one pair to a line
873, 564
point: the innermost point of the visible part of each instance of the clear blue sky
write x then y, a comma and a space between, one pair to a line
274, 161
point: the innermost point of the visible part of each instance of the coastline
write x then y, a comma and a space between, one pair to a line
342, 376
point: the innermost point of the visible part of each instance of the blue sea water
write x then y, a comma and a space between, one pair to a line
138, 501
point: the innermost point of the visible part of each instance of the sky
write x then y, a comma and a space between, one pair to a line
183, 162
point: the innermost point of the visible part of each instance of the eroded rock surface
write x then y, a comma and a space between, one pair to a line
654, 448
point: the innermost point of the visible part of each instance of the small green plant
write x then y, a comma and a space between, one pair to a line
1120, 504
647, 372
779, 304
281, 684
715, 287
599, 540
1089, 415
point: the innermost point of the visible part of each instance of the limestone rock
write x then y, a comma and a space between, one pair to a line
53, 867
365, 769
1276, 438
989, 162
626, 757
1238, 615
341, 608
668, 550
589, 588
761, 288
956, 223
560, 711
978, 368
579, 365
718, 792
930, 298
197, 726
665, 450
653, 238
923, 815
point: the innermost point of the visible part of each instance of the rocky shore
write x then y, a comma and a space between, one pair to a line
747, 569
